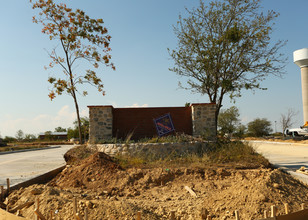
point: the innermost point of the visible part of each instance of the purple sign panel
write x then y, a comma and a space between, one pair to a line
164, 125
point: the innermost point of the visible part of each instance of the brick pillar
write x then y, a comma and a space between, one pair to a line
203, 119
100, 123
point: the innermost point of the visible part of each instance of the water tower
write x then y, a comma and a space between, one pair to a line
301, 59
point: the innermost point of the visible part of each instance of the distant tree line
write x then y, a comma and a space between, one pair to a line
229, 124
72, 132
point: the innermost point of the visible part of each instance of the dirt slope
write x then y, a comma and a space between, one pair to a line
111, 192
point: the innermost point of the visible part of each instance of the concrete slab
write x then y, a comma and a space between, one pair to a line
287, 156
22, 166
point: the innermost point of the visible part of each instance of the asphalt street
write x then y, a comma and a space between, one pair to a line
287, 156
23, 166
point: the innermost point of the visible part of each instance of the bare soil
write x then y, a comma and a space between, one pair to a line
111, 192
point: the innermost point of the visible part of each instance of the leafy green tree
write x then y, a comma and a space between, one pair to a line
228, 120
73, 132
30, 137
48, 135
226, 46
20, 135
259, 127
60, 129
80, 39
240, 131
9, 139
85, 123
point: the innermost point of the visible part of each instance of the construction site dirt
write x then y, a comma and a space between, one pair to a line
109, 191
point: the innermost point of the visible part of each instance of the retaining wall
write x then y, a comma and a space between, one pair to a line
161, 150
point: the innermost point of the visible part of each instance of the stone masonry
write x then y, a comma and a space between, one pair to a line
203, 119
100, 123
149, 149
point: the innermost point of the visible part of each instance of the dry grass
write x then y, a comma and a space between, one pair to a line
233, 153
20, 147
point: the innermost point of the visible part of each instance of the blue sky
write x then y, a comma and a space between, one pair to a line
141, 32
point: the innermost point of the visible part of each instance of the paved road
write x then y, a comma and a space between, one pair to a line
23, 166
288, 156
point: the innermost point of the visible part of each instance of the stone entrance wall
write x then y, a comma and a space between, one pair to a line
107, 122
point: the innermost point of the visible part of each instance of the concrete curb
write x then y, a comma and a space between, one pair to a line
25, 150
40, 179
299, 176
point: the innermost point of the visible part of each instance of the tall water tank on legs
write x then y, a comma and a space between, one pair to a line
301, 59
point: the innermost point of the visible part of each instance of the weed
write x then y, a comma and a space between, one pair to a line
221, 152
177, 138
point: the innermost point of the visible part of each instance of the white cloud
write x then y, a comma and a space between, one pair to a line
136, 105
40, 123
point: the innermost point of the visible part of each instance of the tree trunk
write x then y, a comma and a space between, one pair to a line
218, 107
73, 93
216, 120
78, 117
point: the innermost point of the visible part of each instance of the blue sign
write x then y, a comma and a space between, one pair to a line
164, 125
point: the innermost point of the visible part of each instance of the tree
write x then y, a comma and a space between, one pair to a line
287, 119
85, 123
30, 137
240, 131
48, 135
81, 39
226, 47
19, 135
259, 127
228, 120
60, 129
9, 139
73, 132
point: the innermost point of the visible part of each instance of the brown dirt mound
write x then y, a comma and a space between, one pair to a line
92, 172
110, 192
77, 153
156, 192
